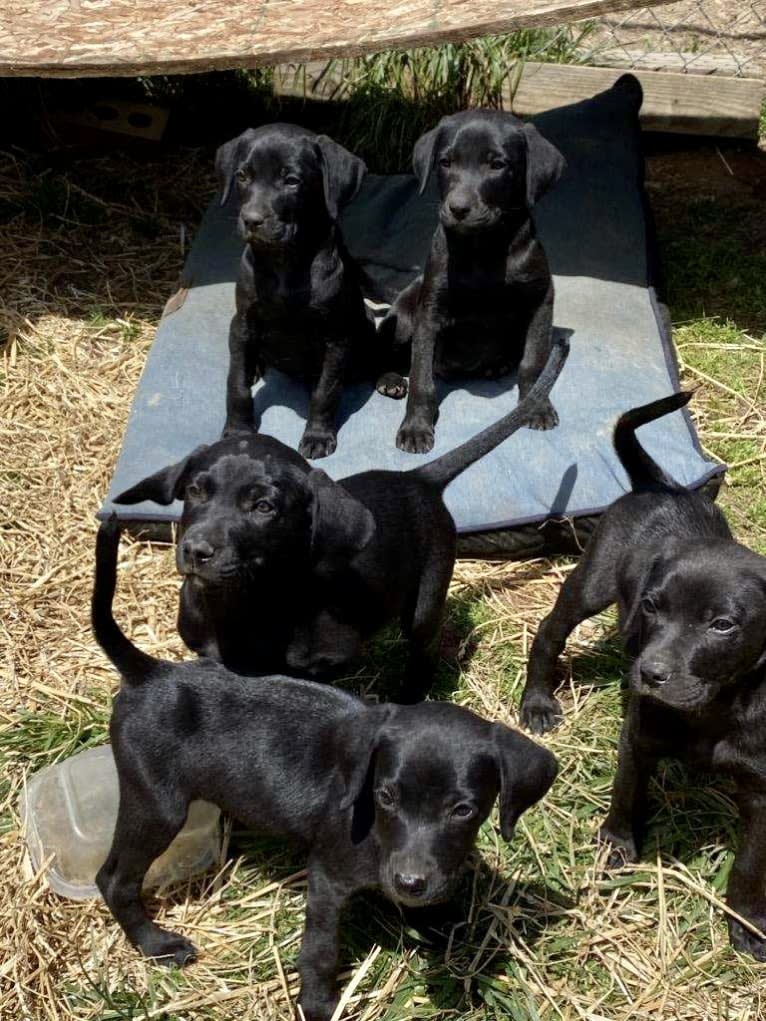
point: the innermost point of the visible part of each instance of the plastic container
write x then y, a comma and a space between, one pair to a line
69, 811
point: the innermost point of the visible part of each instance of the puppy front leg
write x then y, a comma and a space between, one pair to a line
242, 374
582, 595
537, 348
624, 825
416, 433
318, 958
747, 880
320, 435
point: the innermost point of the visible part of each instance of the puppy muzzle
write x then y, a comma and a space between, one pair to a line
269, 233
470, 222
670, 687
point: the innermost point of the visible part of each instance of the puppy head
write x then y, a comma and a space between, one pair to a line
695, 616
489, 166
288, 181
251, 504
422, 780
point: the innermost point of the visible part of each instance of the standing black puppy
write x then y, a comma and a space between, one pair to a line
692, 612
484, 303
299, 303
657, 511
286, 570
383, 796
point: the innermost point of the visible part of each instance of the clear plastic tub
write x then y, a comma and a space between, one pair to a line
69, 811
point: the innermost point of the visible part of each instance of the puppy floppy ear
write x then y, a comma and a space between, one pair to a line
526, 771
634, 574
228, 158
341, 526
342, 174
164, 486
545, 164
424, 154
356, 743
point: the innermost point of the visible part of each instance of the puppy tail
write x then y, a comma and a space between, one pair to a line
444, 469
134, 666
643, 471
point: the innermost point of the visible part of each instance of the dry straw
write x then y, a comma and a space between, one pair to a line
86, 267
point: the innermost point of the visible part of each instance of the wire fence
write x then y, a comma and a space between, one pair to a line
726, 37
723, 37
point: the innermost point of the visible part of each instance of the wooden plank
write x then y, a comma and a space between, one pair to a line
678, 103
726, 64
80, 38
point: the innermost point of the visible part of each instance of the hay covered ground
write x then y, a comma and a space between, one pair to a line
541, 932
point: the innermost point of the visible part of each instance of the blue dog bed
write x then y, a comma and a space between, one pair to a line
534, 492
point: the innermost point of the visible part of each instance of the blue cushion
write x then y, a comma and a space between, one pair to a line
599, 242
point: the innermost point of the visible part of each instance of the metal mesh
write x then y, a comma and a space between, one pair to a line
726, 37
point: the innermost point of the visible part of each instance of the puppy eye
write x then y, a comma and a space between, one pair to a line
196, 493
647, 605
722, 625
263, 507
292, 181
461, 812
497, 164
241, 175
384, 797
444, 161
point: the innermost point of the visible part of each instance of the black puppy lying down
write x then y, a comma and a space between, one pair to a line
692, 611
387, 797
299, 303
484, 303
287, 571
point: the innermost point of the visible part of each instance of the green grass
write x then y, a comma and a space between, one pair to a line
538, 929
391, 98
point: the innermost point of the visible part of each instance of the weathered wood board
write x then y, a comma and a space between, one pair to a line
78, 38
676, 103
682, 103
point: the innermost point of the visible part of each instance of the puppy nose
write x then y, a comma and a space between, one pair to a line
458, 209
655, 673
252, 220
198, 550
412, 886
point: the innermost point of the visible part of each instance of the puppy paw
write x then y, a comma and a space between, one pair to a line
747, 942
539, 713
317, 443
391, 384
498, 372
169, 949
623, 849
415, 438
546, 418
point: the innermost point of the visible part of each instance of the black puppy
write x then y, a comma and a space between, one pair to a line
484, 303
692, 611
287, 571
626, 536
384, 797
299, 303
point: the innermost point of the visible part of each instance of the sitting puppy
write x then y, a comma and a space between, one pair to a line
287, 571
484, 303
384, 797
299, 303
692, 610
